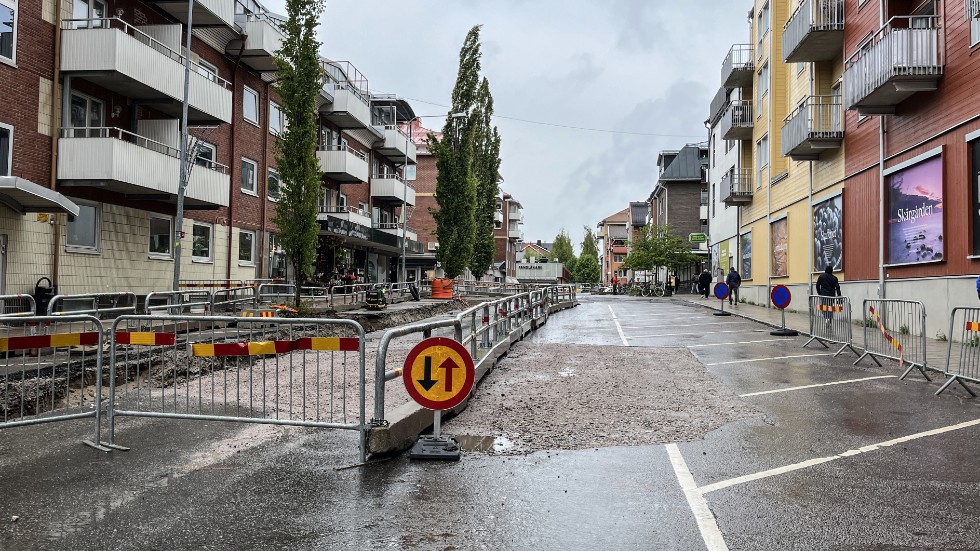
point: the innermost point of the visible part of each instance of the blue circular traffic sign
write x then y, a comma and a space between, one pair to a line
722, 291
781, 296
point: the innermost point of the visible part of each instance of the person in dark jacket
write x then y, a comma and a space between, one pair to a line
704, 282
828, 286
734, 281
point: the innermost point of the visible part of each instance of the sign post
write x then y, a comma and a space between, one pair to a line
722, 292
781, 298
439, 375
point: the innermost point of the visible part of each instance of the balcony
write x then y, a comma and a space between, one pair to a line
737, 122
515, 233
498, 217
815, 31
902, 58
516, 215
620, 249
736, 187
126, 60
207, 13
814, 127
342, 164
397, 145
703, 212
395, 228
390, 188
263, 38
349, 214
138, 167
738, 68
350, 106
718, 105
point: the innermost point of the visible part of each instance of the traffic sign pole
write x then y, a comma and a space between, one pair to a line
781, 298
722, 291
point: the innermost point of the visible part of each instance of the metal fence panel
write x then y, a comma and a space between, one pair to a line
830, 322
233, 301
178, 303
17, 306
895, 329
298, 372
964, 346
101, 305
52, 371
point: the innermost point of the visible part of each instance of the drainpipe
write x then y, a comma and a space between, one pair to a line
264, 200
881, 183
769, 143
809, 277
55, 132
231, 165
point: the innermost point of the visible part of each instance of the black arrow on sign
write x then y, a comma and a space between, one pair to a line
428, 382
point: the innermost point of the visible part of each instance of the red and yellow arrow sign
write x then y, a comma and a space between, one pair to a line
439, 373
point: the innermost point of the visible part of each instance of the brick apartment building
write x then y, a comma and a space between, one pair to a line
95, 133
613, 232
680, 199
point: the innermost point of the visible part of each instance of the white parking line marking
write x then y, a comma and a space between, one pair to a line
728, 343
699, 506
619, 327
815, 386
776, 358
695, 333
820, 460
689, 325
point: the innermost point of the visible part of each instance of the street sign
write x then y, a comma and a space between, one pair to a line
439, 373
698, 238
781, 297
722, 291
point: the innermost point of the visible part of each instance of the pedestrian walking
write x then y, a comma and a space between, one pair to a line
978, 286
734, 281
704, 282
828, 286
615, 281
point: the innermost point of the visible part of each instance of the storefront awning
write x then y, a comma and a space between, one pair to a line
24, 196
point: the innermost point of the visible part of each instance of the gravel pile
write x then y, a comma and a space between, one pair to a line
568, 397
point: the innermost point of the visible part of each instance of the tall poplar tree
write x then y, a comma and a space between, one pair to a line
587, 269
486, 150
456, 181
298, 83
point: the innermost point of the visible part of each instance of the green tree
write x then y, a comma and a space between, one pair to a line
587, 268
486, 164
298, 83
456, 181
656, 247
589, 246
561, 251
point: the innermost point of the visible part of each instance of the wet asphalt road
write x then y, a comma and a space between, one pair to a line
810, 472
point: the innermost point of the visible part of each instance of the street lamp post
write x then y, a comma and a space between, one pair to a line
185, 168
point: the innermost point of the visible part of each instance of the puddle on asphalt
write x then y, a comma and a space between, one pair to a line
484, 443
83, 519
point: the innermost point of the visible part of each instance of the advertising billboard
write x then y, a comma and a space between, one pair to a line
915, 213
780, 243
746, 256
828, 235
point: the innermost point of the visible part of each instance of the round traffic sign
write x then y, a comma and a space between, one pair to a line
439, 373
722, 291
780, 296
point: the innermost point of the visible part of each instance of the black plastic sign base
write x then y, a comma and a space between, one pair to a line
722, 314
443, 448
784, 333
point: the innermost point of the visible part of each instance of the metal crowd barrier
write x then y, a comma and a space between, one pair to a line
830, 322
895, 329
350, 294
211, 283
285, 292
967, 364
50, 364
95, 304
17, 306
297, 372
176, 303
233, 301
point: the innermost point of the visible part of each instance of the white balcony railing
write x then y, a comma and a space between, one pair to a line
816, 125
392, 188
134, 165
736, 187
343, 164
343, 212
738, 121
121, 57
738, 68
397, 145
903, 57
815, 31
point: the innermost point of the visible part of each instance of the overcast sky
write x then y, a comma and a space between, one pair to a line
643, 66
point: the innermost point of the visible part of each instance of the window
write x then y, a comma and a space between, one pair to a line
342, 200
207, 70
250, 105
273, 187
8, 31
763, 22
249, 168
246, 248
201, 242
87, 113
6, 149
206, 154
973, 14
361, 207
762, 154
763, 86
83, 230
161, 237
275, 118
87, 9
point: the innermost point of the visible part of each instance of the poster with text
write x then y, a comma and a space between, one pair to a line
975, 179
780, 243
915, 213
828, 235
715, 253
746, 256
723, 261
